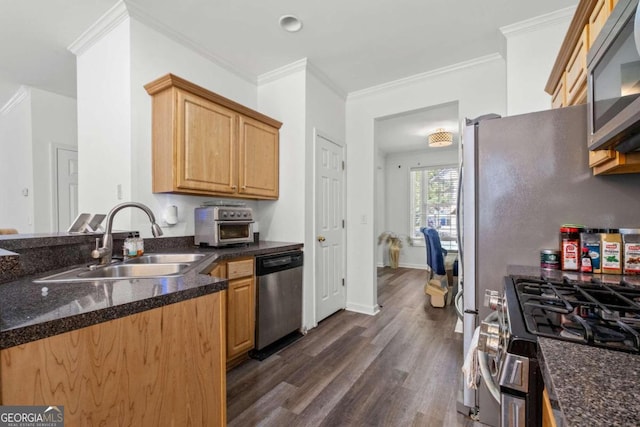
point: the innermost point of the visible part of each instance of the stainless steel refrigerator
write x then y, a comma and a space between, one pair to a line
522, 177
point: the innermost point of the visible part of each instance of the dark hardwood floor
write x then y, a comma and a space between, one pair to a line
399, 368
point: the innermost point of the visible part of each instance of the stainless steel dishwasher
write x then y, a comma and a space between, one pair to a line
279, 297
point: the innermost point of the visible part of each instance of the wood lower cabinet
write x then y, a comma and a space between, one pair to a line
205, 144
548, 419
241, 307
164, 366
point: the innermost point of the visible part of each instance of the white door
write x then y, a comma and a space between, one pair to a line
67, 187
329, 227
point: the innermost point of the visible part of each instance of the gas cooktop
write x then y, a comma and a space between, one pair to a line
600, 312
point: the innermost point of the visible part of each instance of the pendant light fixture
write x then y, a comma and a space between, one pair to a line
440, 138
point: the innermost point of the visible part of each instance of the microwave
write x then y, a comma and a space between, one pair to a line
219, 226
613, 95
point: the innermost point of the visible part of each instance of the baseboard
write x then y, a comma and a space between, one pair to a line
364, 309
406, 265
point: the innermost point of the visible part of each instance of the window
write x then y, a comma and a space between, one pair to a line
434, 193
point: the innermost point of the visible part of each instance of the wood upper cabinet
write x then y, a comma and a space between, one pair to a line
567, 83
164, 366
241, 307
205, 144
576, 71
259, 159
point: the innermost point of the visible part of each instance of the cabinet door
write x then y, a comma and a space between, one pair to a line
206, 157
598, 17
559, 98
240, 316
259, 152
577, 71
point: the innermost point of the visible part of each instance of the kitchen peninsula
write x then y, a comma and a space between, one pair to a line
145, 351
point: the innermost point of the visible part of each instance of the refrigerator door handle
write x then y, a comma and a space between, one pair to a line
471, 311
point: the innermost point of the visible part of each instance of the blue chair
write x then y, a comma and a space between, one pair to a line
435, 251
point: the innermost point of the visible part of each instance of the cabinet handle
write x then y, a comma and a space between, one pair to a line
233, 187
244, 187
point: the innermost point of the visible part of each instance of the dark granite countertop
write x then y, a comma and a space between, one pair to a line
30, 311
593, 386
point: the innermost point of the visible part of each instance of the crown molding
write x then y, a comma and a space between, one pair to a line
139, 14
17, 98
539, 22
300, 65
424, 76
103, 26
283, 71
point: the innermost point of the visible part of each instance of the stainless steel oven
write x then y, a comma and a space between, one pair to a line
220, 226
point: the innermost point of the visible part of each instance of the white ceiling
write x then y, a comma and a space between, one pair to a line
356, 44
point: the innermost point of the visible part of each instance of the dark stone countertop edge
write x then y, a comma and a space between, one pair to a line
25, 334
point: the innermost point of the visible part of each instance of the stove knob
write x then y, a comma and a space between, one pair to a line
493, 299
232, 214
489, 339
246, 214
224, 214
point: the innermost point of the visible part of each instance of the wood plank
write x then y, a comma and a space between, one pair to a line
401, 367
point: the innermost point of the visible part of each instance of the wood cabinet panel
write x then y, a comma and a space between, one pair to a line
559, 97
206, 155
205, 144
160, 367
597, 19
241, 317
259, 152
240, 268
548, 420
619, 163
576, 77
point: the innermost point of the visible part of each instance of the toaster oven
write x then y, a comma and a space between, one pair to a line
219, 226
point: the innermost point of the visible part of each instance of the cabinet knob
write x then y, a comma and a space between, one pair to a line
233, 187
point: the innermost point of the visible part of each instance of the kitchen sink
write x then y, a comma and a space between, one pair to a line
117, 272
164, 258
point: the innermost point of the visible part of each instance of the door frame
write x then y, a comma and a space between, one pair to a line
53, 161
316, 134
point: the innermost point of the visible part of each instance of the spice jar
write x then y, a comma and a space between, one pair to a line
570, 248
612, 252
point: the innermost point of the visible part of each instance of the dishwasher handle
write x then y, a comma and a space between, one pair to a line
268, 264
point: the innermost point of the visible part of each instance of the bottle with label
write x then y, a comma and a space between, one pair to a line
130, 246
585, 261
590, 239
611, 252
570, 247
631, 245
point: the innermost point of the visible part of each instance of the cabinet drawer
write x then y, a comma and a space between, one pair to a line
598, 17
577, 71
242, 268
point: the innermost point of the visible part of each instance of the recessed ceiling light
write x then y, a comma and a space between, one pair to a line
290, 23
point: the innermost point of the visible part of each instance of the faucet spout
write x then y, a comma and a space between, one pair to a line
105, 252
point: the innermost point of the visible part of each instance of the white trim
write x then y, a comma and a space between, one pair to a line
423, 76
103, 26
17, 98
539, 22
139, 14
284, 71
364, 309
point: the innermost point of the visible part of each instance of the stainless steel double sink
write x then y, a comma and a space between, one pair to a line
145, 266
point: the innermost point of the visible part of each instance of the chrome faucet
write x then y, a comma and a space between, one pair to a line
106, 251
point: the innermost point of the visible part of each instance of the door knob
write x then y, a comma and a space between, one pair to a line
321, 239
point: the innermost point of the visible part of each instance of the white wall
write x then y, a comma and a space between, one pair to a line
55, 121
532, 48
396, 207
104, 124
325, 115
16, 168
153, 55
479, 88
